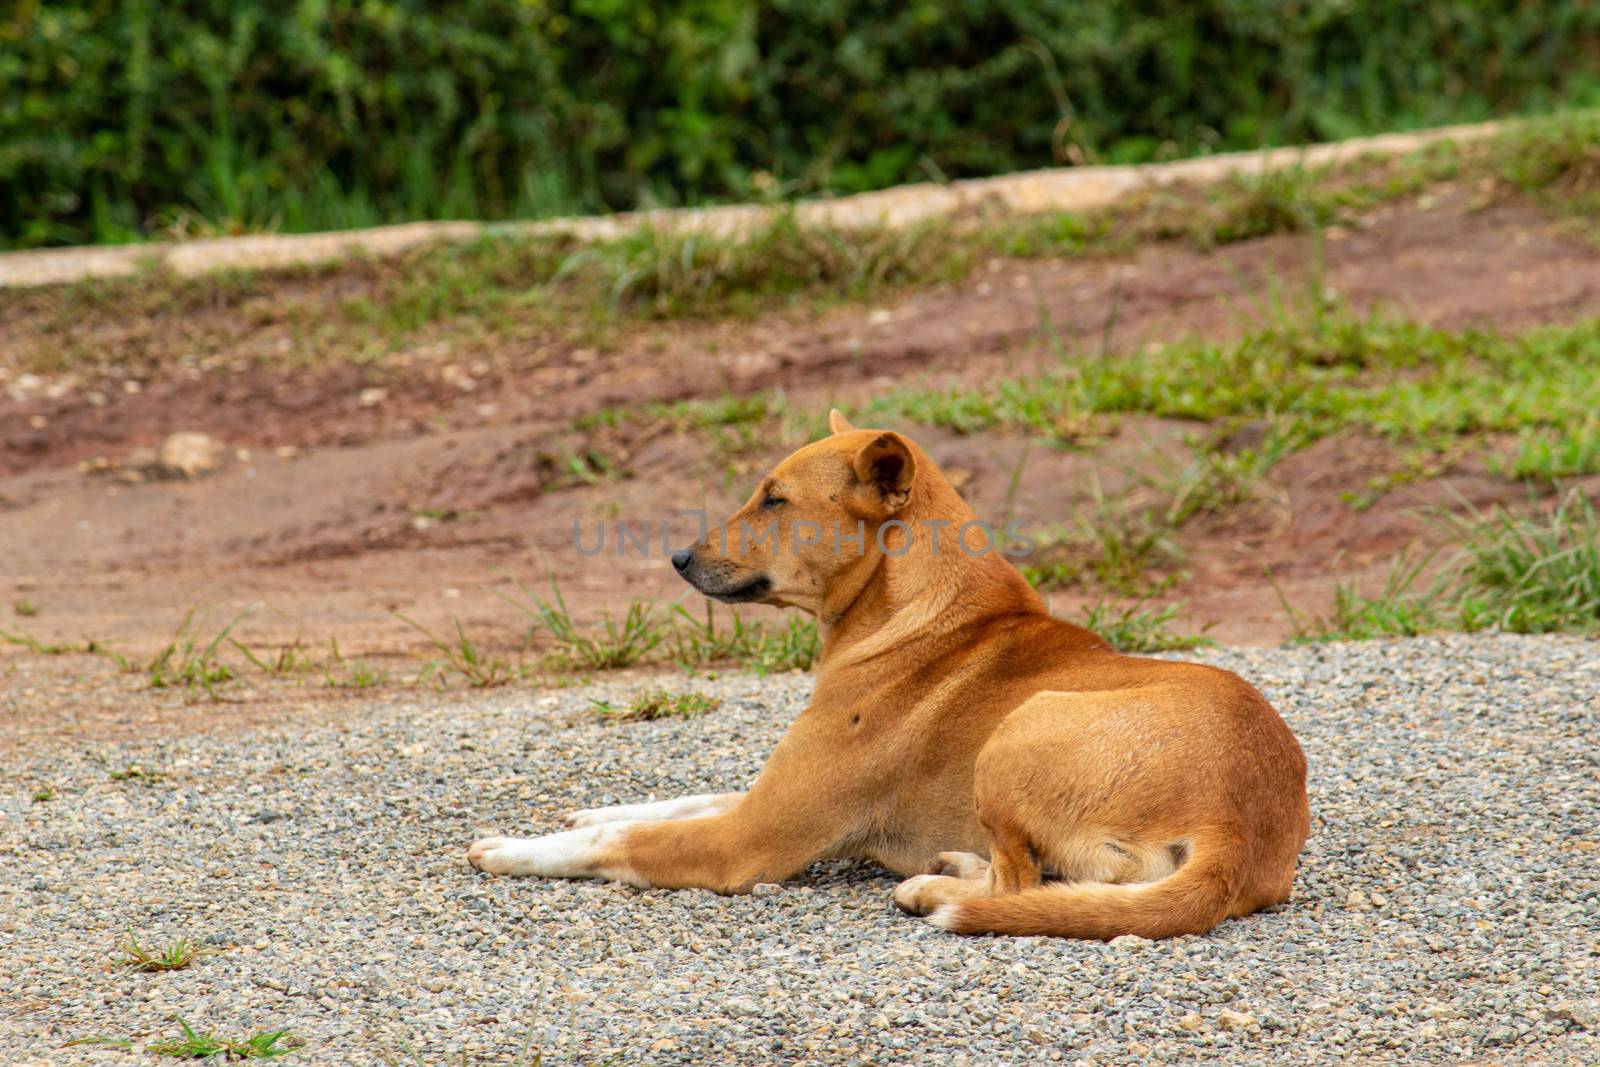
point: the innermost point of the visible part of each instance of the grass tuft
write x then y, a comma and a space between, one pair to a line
1216, 479
614, 644
40, 647
1110, 544
1134, 629
190, 662
291, 659
793, 646
462, 656
1246, 206
196, 1046
1533, 573
656, 704
1556, 160
174, 956
135, 772
340, 672
1571, 451
1399, 609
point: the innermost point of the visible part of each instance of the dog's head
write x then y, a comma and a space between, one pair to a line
815, 516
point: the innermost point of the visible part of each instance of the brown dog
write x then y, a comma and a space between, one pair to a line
954, 719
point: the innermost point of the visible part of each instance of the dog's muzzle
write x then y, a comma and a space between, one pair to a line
713, 580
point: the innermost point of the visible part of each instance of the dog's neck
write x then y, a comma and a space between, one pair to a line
905, 599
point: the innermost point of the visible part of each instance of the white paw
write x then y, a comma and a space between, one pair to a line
499, 855
584, 853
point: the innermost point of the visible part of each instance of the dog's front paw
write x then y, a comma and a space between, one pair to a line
499, 855
589, 852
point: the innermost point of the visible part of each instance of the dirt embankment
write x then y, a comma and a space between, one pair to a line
339, 502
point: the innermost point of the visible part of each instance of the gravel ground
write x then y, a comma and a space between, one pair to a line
1448, 906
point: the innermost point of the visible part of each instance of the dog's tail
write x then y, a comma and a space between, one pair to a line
1190, 900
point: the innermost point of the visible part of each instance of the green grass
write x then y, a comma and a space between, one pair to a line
135, 772
196, 1046
1217, 478
501, 289
1134, 628
751, 645
462, 656
190, 1045
190, 661
793, 646
174, 956
1569, 451
1398, 609
656, 704
25, 609
1111, 543
1535, 572
98, 1041
291, 659
40, 647
1416, 461
337, 670
645, 634
1241, 207
611, 645
1327, 369
1556, 160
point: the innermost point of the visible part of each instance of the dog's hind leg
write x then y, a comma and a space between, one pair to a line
962, 875
678, 808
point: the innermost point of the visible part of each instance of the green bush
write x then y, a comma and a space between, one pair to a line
123, 118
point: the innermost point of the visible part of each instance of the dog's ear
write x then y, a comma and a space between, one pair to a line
837, 423
885, 466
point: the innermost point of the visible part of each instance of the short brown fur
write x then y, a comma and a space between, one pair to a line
1032, 778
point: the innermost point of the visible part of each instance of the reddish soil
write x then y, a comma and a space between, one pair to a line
329, 516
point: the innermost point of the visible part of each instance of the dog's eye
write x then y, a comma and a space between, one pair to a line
769, 502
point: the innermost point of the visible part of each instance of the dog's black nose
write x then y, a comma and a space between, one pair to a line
682, 558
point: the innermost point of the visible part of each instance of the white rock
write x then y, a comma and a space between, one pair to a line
188, 454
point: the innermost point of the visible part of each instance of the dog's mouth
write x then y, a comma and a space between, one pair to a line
744, 593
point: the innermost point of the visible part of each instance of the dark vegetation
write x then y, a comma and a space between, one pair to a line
120, 121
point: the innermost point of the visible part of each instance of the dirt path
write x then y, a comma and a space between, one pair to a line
333, 511
1057, 189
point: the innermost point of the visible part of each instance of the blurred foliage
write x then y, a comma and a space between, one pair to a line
121, 119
